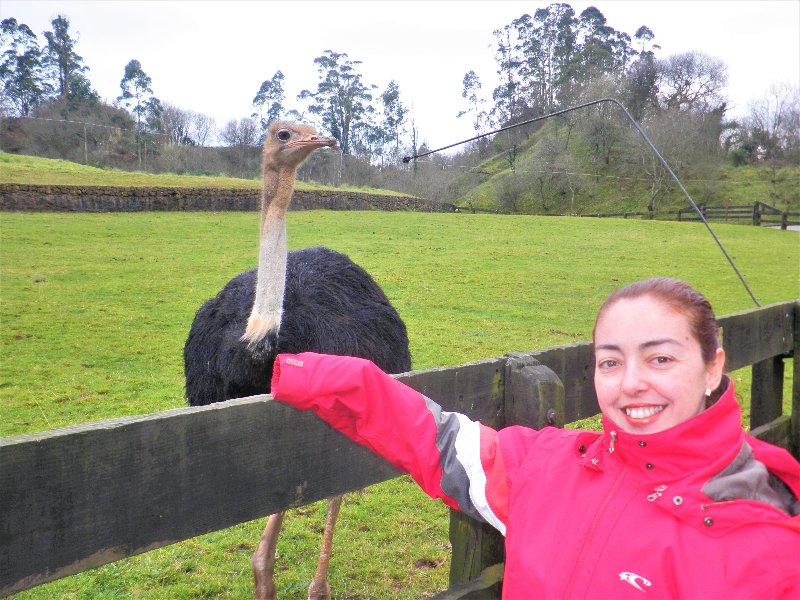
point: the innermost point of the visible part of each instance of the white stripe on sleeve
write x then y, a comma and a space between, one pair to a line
468, 453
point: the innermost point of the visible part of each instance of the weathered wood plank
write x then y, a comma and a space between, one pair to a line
488, 585
766, 391
777, 432
755, 335
94, 494
475, 389
795, 445
574, 365
87, 495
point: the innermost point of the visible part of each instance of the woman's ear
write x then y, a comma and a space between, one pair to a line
715, 369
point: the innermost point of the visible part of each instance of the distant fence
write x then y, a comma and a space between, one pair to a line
758, 213
82, 496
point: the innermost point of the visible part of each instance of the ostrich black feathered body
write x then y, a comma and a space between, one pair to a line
330, 305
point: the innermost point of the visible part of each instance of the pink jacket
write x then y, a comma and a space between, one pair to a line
691, 512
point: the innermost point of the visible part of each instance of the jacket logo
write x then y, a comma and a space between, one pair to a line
632, 577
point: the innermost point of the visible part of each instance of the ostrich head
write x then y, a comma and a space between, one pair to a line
286, 146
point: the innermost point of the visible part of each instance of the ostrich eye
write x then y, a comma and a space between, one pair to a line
284, 135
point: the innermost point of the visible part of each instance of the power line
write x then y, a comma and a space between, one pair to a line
89, 124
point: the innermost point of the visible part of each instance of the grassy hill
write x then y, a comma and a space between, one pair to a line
556, 170
16, 168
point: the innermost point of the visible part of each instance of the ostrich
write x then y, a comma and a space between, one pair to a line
311, 299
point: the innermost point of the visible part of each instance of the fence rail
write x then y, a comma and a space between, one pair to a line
757, 213
82, 496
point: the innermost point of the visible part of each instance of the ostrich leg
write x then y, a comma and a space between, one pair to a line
319, 588
263, 561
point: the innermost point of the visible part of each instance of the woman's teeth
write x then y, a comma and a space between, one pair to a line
642, 412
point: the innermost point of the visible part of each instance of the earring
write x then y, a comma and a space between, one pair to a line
708, 392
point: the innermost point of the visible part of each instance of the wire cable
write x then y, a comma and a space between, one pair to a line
652, 147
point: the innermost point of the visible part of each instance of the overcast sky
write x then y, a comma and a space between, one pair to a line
211, 57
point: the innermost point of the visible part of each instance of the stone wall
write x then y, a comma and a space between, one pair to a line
73, 198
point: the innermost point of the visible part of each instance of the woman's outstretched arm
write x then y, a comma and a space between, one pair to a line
447, 454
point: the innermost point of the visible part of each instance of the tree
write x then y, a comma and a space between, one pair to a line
692, 81
243, 132
505, 95
202, 127
640, 89
137, 96
342, 100
176, 124
771, 129
21, 71
242, 137
601, 48
66, 66
548, 47
472, 85
268, 102
394, 116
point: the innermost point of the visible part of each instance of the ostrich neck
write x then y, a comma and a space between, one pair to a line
265, 317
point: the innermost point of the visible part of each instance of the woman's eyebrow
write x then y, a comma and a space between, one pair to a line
612, 347
659, 342
642, 346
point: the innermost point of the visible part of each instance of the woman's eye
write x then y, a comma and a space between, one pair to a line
662, 360
283, 135
607, 364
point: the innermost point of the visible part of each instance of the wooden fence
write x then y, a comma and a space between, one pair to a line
82, 496
759, 213
756, 214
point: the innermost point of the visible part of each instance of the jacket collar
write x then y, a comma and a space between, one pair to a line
701, 446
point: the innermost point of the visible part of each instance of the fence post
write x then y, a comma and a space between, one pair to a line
756, 213
784, 220
534, 396
766, 391
795, 441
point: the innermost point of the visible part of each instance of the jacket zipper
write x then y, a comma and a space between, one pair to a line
592, 529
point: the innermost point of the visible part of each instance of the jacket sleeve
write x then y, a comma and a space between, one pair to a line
447, 454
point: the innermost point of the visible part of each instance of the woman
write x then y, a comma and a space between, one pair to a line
673, 499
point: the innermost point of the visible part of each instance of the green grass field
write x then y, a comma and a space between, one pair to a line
94, 310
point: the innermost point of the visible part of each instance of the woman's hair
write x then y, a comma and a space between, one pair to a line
683, 299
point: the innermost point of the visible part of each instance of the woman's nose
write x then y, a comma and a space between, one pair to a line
634, 379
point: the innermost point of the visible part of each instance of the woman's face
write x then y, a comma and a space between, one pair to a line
649, 370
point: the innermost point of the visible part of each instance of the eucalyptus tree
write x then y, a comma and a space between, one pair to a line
22, 74
546, 44
66, 66
601, 48
506, 94
342, 100
640, 93
137, 96
268, 102
472, 87
394, 117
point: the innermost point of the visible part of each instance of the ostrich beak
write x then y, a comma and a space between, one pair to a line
313, 141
